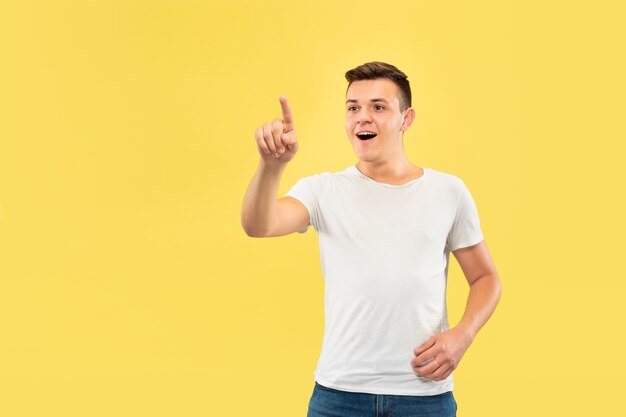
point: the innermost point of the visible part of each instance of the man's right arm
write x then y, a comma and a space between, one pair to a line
262, 214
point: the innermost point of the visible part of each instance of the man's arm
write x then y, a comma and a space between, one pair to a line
262, 215
485, 287
447, 348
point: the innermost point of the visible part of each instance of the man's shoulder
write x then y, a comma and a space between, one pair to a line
444, 178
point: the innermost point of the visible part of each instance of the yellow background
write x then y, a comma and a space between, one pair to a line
127, 284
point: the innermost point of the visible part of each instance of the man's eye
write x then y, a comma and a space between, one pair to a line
352, 107
380, 107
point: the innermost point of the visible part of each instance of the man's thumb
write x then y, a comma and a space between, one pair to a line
288, 139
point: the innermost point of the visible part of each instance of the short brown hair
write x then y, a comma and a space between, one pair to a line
377, 69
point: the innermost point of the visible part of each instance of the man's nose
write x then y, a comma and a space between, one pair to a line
363, 117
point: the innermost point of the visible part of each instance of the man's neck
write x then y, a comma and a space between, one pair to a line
391, 172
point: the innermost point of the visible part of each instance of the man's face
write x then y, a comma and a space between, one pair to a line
374, 106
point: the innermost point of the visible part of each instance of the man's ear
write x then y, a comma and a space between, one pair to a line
409, 116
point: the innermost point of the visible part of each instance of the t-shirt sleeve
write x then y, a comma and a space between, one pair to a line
465, 230
304, 190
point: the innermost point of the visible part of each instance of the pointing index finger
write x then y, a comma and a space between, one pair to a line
287, 116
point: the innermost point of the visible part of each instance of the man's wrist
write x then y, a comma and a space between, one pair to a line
466, 330
272, 167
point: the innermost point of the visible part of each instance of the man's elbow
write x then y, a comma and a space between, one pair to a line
492, 280
496, 286
253, 231
250, 231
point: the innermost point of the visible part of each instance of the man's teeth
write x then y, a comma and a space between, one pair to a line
366, 135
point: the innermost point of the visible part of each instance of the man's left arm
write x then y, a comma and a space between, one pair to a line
443, 351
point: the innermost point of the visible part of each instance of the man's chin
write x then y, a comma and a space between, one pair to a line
365, 157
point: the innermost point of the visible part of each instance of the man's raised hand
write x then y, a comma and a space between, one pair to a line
276, 140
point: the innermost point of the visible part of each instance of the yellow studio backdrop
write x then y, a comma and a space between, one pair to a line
127, 284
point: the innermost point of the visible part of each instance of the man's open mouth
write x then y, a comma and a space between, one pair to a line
366, 135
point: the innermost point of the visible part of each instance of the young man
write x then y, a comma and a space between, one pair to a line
386, 229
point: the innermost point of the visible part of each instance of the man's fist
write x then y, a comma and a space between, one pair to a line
437, 357
276, 140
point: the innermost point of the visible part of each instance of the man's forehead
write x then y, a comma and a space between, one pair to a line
377, 90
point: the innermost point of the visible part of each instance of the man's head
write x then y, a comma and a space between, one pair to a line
378, 112
377, 69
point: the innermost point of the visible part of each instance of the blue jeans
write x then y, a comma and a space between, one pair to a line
329, 402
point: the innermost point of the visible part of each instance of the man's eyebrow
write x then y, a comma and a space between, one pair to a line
351, 100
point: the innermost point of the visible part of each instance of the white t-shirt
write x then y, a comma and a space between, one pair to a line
384, 250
